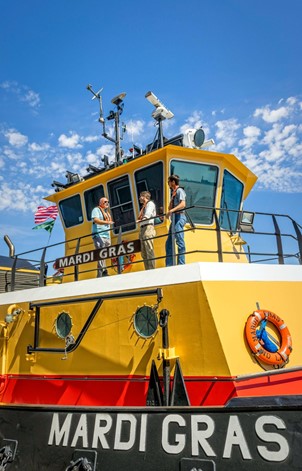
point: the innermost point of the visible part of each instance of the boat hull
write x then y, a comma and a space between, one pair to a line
247, 435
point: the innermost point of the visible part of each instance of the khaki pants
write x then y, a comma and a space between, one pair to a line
147, 233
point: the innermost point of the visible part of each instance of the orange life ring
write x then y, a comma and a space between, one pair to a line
125, 261
278, 358
59, 271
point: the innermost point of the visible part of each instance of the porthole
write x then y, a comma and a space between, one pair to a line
145, 321
63, 325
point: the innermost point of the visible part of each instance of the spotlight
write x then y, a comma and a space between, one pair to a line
195, 138
58, 186
105, 159
72, 177
93, 169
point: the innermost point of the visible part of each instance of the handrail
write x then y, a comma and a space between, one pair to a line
281, 255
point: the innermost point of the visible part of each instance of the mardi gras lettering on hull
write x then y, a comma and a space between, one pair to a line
176, 433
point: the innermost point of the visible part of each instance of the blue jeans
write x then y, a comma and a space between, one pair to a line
180, 221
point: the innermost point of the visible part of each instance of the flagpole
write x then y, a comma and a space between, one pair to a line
49, 238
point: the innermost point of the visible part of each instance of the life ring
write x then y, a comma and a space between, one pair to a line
259, 342
59, 270
124, 261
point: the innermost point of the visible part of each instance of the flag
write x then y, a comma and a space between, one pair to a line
44, 213
48, 226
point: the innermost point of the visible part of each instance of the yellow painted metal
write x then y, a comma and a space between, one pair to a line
167, 353
197, 242
206, 328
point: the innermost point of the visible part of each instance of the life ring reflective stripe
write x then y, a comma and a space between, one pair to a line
279, 358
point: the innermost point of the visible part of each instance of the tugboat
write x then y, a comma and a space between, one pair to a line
193, 367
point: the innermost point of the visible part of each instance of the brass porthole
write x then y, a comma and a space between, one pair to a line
145, 321
63, 325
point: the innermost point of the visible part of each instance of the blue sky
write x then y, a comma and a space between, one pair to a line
233, 66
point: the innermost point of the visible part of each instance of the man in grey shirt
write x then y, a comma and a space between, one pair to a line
176, 211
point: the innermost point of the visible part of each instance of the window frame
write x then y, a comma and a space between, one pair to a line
88, 218
241, 199
217, 183
62, 214
163, 180
114, 229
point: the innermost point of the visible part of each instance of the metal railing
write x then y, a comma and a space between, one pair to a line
273, 238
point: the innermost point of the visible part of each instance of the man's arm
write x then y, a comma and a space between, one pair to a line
179, 207
101, 221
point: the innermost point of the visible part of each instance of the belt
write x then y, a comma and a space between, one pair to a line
145, 225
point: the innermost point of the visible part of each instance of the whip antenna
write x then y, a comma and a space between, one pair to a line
113, 115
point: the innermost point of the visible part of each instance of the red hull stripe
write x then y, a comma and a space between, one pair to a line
132, 391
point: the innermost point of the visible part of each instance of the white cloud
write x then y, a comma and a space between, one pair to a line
278, 133
106, 149
19, 196
135, 128
251, 134
23, 93
58, 168
271, 116
192, 122
32, 98
226, 134
10, 153
5, 85
92, 159
15, 138
71, 142
291, 100
91, 138
280, 142
38, 147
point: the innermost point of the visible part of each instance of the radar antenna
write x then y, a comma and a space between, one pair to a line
159, 114
113, 115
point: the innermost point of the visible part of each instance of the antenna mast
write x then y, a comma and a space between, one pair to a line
113, 115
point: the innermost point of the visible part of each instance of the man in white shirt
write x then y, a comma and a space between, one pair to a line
147, 231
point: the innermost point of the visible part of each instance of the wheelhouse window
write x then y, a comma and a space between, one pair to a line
71, 210
200, 184
151, 179
121, 205
92, 198
232, 190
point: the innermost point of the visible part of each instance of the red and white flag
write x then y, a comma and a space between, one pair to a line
43, 213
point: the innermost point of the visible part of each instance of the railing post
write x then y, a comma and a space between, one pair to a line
119, 260
279, 241
42, 268
173, 239
218, 232
13, 275
76, 267
299, 238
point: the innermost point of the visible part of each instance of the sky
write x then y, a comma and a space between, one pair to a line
232, 66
